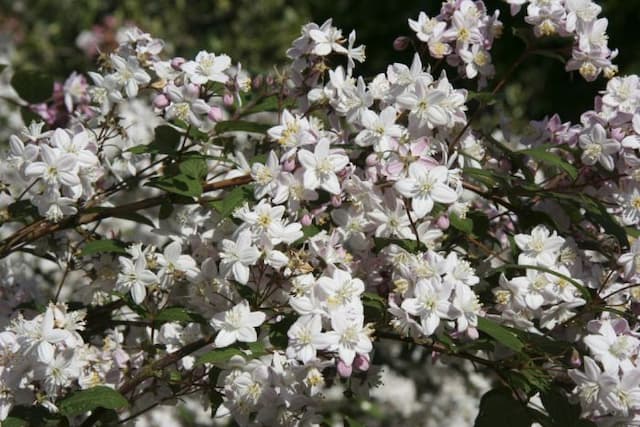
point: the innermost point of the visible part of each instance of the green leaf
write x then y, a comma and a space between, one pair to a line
33, 416
87, 400
501, 334
32, 86
166, 141
242, 126
561, 411
375, 308
498, 408
219, 355
350, 422
465, 225
103, 246
407, 244
194, 167
177, 314
135, 217
541, 155
178, 184
232, 200
270, 103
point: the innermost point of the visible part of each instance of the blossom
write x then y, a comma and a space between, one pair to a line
207, 67
56, 167
237, 324
238, 256
425, 187
431, 304
321, 167
598, 148
135, 278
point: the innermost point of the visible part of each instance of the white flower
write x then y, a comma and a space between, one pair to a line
128, 74
135, 278
175, 265
237, 324
541, 247
348, 337
341, 289
321, 167
238, 256
305, 338
426, 186
55, 168
207, 68
598, 148
612, 350
431, 304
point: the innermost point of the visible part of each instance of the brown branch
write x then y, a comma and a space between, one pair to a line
42, 227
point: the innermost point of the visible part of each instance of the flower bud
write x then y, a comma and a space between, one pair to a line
361, 363
227, 99
257, 82
176, 63
472, 333
336, 201
443, 222
401, 43
289, 165
574, 359
344, 370
306, 220
160, 101
215, 114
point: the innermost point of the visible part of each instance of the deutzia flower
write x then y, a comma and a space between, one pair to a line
238, 256
305, 338
426, 186
598, 148
237, 324
55, 168
135, 278
321, 167
207, 68
348, 337
431, 304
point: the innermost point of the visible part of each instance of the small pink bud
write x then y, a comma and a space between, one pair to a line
192, 90
372, 159
289, 165
227, 99
160, 101
269, 80
215, 114
443, 222
574, 359
401, 43
344, 370
361, 363
617, 134
472, 333
176, 63
306, 220
336, 201
257, 82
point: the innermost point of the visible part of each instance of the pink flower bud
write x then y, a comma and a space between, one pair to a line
257, 82
160, 101
176, 63
336, 201
215, 114
574, 359
617, 134
372, 159
289, 165
227, 99
344, 370
472, 333
306, 220
361, 363
193, 90
442, 222
401, 43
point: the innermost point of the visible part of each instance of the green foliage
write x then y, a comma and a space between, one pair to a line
83, 401
32, 86
103, 246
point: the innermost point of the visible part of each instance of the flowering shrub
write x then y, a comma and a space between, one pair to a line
174, 227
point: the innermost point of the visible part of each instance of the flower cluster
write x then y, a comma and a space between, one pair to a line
577, 19
463, 33
255, 243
